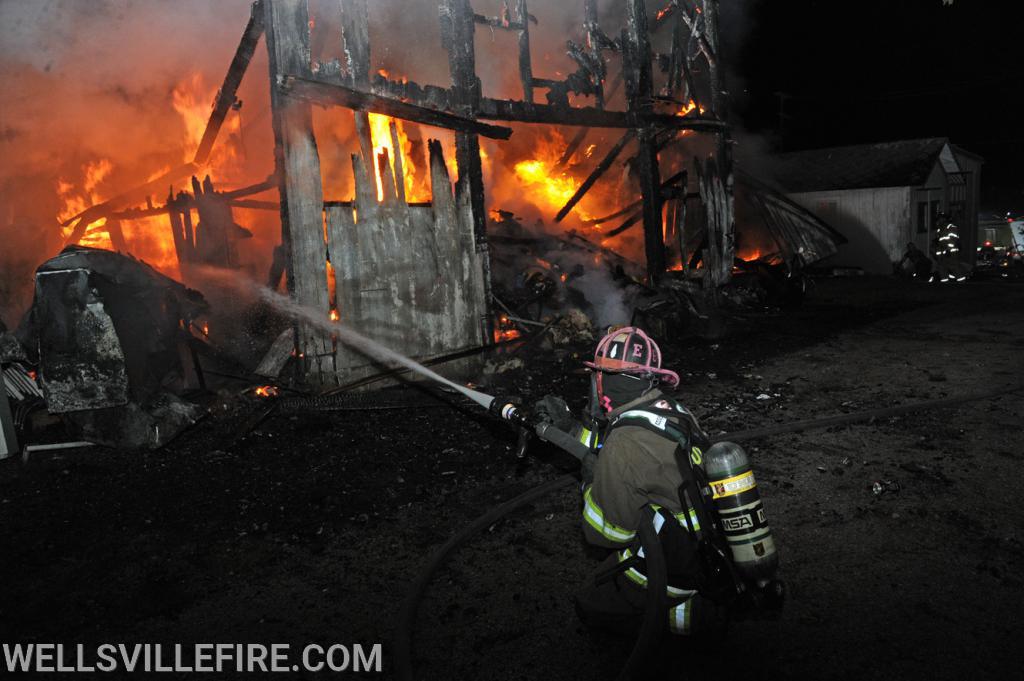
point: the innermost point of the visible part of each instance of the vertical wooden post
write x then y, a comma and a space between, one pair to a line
522, 16
457, 36
355, 34
396, 144
720, 226
298, 172
591, 28
117, 239
639, 81
177, 232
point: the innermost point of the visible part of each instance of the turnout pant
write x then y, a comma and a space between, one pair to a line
618, 605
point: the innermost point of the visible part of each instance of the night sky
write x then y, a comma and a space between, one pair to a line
855, 72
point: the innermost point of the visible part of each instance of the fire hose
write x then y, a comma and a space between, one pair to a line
657, 571
654, 612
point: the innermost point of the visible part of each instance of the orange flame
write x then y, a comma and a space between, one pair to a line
552, 187
148, 238
688, 107
193, 101
267, 391
380, 132
74, 201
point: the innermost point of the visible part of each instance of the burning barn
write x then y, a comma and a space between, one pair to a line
436, 219
627, 155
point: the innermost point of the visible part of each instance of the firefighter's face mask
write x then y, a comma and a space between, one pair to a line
615, 390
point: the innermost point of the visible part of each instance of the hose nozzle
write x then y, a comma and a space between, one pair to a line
505, 408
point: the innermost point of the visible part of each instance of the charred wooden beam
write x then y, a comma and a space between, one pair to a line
458, 36
522, 112
297, 166
639, 80
331, 94
182, 249
355, 33
571, 148
502, 22
710, 14
399, 165
581, 134
678, 178
430, 96
525, 64
595, 175
100, 210
117, 239
229, 89
258, 188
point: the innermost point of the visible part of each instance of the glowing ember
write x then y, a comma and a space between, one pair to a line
505, 335
334, 315
267, 391
687, 108
505, 330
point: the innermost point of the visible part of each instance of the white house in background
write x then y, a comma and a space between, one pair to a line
882, 196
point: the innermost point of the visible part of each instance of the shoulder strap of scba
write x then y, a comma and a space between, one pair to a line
720, 578
694, 492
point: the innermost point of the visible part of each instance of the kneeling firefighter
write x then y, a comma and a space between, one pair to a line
718, 547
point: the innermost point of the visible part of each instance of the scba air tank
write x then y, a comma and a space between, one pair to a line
742, 517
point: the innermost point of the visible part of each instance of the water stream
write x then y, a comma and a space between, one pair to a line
361, 343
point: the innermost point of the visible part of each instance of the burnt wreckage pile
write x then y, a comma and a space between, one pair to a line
435, 279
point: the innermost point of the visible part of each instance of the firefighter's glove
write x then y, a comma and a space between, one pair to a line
587, 467
553, 409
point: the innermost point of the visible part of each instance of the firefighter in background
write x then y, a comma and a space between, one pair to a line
644, 461
917, 263
947, 251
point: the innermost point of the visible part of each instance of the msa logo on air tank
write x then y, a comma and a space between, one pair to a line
744, 521
738, 523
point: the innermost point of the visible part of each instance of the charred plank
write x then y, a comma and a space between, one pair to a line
595, 175
331, 94
229, 89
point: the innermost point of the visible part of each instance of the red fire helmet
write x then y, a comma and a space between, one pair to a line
631, 351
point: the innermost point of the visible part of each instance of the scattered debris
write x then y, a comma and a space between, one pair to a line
502, 365
880, 487
573, 327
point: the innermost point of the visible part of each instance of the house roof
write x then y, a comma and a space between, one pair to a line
904, 163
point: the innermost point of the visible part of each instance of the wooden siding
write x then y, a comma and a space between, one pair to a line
877, 223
